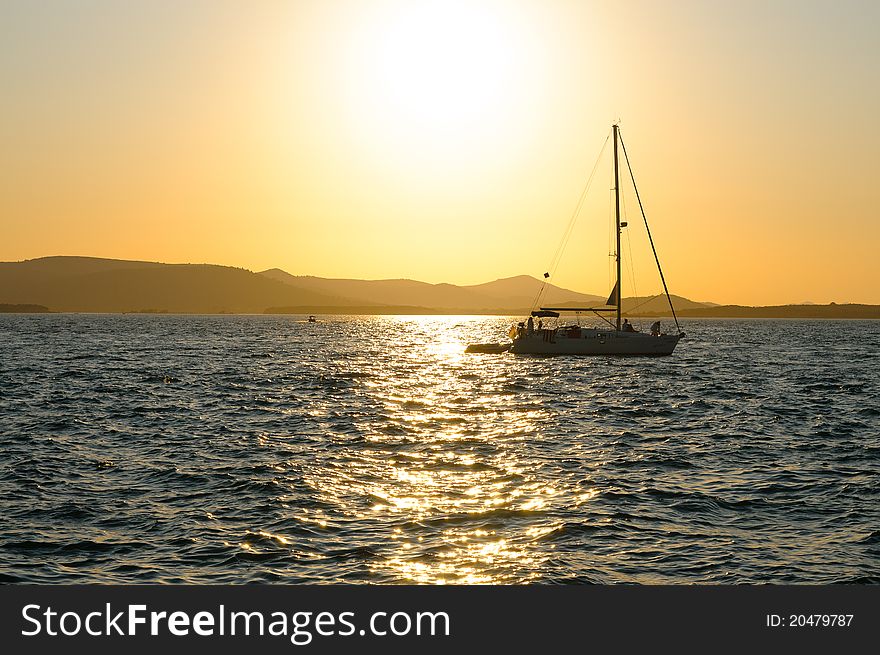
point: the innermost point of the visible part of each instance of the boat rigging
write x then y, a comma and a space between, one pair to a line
619, 337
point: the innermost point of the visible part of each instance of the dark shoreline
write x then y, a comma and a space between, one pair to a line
747, 313
6, 308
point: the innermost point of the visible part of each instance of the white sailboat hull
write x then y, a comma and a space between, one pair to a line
594, 342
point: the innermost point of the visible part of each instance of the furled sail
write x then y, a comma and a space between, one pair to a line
614, 298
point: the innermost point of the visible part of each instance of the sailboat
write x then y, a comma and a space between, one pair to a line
615, 337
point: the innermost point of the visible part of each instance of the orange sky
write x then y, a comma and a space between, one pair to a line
449, 141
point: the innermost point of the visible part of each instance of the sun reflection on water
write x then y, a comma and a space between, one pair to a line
448, 462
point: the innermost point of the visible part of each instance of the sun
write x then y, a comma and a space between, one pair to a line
427, 72
442, 64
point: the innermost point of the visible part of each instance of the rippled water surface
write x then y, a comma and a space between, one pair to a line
373, 449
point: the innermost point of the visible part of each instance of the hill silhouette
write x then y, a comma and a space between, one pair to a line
88, 284
832, 310
514, 293
649, 305
23, 309
92, 284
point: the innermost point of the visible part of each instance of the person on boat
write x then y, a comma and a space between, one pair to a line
540, 324
530, 325
627, 326
655, 329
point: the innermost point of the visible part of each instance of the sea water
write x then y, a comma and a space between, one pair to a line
231, 449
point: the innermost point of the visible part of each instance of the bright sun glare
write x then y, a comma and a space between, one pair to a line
434, 75
442, 64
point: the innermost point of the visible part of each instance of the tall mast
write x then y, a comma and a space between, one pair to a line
617, 225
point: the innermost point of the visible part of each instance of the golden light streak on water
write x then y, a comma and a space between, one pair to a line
432, 476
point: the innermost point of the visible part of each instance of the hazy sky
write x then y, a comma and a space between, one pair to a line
449, 141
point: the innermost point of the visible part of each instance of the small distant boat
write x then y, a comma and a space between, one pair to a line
312, 319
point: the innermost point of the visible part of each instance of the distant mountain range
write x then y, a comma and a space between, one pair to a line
89, 284
812, 310
510, 293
